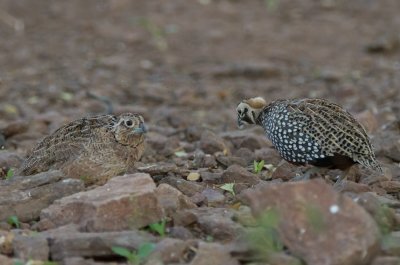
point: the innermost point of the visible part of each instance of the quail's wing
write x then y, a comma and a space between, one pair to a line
332, 127
66, 143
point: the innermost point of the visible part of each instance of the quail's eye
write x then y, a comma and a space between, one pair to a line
246, 110
128, 123
239, 111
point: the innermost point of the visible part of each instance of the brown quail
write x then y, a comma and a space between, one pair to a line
311, 131
93, 149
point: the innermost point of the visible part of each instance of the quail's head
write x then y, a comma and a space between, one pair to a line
129, 129
248, 110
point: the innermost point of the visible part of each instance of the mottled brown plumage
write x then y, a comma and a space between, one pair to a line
93, 149
311, 131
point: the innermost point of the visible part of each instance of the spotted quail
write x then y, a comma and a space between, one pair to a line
311, 131
93, 149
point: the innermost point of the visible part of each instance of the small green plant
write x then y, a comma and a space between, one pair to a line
265, 238
13, 220
228, 187
258, 166
10, 173
49, 263
159, 227
135, 257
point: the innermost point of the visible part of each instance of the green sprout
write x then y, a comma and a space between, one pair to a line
159, 227
258, 166
135, 257
10, 174
265, 238
13, 220
228, 187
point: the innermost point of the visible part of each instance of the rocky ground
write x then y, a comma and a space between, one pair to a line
195, 197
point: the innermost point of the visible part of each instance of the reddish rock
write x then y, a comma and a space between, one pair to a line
216, 222
26, 196
6, 242
284, 171
269, 155
238, 174
189, 188
4, 260
172, 200
125, 202
368, 120
9, 159
351, 186
246, 139
213, 253
390, 186
31, 247
317, 224
15, 127
211, 143
94, 245
213, 197
169, 250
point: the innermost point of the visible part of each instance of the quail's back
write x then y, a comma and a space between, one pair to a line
315, 131
94, 149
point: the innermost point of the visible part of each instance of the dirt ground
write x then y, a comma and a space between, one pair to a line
185, 65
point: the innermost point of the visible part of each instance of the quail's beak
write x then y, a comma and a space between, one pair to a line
240, 122
140, 130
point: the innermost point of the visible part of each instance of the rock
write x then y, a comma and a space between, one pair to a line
180, 232
169, 250
284, 171
189, 188
6, 242
388, 144
368, 120
211, 177
281, 258
231, 160
238, 174
211, 143
15, 127
193, 176
124, 202
26, 196
82, 261
172, 200
384, 216
351, 186
213, 197
202, 160
390, 186
212, 253
4, 260
246, 139
317, 224
269, 155
216, 222
246, 154
31, 247
391, 244
160, 169
9, 159
386, 260
94, 245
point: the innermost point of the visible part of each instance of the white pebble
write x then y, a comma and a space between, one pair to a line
334, 209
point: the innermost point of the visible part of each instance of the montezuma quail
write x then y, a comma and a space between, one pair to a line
311, 131
93, 149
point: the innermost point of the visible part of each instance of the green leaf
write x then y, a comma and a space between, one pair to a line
159, 227
10, 173
181, 154
13, 220
258, 166
145, 250
124, 252
228, 187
